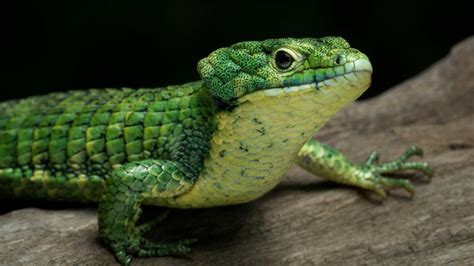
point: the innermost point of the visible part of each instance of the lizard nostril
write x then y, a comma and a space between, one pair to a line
338, 60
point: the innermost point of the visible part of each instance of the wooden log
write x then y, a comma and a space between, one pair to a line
307, 220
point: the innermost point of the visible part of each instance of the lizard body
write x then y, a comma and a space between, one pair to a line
227, 139
63, 146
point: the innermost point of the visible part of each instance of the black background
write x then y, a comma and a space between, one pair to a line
63, 45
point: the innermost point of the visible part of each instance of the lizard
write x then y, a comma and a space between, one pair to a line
226, 139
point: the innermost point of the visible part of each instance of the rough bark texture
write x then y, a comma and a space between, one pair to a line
307, 220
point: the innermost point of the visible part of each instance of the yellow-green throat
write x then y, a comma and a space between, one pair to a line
256, 143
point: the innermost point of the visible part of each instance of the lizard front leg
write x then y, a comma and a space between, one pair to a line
329, 163
119, 207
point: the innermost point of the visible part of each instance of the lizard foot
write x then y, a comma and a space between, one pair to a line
137, 246
370, 174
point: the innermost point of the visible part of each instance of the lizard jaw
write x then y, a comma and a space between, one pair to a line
358, 71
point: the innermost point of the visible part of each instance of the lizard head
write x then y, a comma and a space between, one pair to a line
286, 66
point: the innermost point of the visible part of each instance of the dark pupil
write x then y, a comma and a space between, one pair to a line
283, 59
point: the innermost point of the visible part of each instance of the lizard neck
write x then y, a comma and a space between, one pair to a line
254, 145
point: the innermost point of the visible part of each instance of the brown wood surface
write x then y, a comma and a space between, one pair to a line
307, 220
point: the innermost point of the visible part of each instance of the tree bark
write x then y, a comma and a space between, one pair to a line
307, 220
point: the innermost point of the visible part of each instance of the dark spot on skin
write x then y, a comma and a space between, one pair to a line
243, 147
260, 177
222, 153
256, 121
285, 140
262, 131
256, 160
242, 172
270, 145
302, 133
459, 146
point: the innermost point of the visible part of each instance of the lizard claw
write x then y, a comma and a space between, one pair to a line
371, 178
125, 249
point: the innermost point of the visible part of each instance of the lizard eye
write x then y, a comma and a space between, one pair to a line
283, 59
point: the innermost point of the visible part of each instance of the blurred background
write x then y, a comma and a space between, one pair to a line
54, 46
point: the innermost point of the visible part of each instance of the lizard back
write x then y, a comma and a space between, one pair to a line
63, 145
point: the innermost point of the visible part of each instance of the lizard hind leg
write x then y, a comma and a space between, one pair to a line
119, 208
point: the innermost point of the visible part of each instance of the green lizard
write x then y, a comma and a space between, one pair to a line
226, 139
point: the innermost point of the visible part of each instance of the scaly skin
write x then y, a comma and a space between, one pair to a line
226, 139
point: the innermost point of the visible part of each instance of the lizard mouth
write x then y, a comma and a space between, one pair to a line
355, 74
